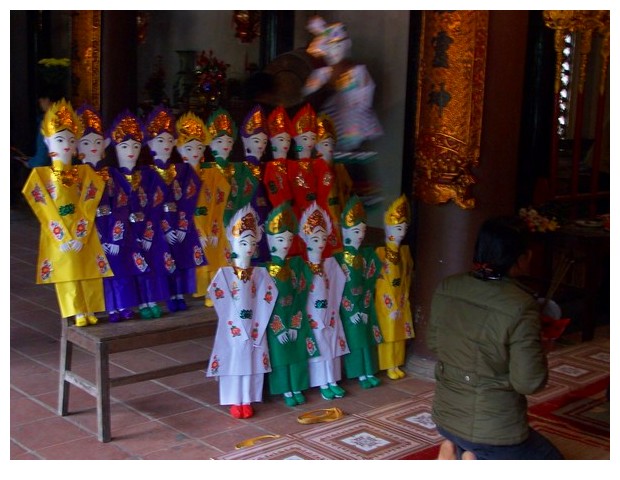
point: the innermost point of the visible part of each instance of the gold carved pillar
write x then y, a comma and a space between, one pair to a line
86, 58
450, 100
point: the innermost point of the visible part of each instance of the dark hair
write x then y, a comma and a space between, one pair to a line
501, 241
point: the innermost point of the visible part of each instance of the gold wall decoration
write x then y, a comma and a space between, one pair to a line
86, 58
450, 100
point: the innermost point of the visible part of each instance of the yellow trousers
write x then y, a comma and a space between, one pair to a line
391, 354
80, 296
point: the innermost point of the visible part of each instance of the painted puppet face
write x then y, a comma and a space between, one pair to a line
62, 146
280, 145
161, 146
255, 145
305, 143
353, 237
222, 146
91, 148
280, 244
315, 244
244, 247
192, 152
326, 148
395, 233
336, 52
127, 153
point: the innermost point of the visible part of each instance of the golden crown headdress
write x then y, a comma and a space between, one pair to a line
353, 212
312, 218
245, 219
279, 122
304, 120
61, 116
281, 219
325, 128
221, 123
191, 127
159, 121
125, 127
254, 123
91, 121
398, 212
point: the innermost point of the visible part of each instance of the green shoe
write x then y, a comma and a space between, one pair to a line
337, 390
374, 380
155, 311
327, 393
366, 383
299, 397
290, 401
146, 313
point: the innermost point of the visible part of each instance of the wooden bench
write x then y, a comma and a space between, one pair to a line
106, 338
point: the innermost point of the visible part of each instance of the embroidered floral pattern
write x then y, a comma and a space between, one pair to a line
276, 324
148, 231
311, 346
176, 190
91, 192
198, 255
158, 196
118, 231
139, 262
215, 365
81, 229
57, 230
102, 264
296, 320
219, 293
235, 331
37, 195
169, 263
46, 270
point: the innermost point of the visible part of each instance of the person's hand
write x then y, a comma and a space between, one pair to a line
171, 237
292, 334
180, 234
283, 338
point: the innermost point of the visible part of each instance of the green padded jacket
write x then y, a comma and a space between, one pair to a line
486, 336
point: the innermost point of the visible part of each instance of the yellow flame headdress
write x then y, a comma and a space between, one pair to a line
159, 121
245, 219
312, 218
325, 128
304, 120
353, 212
91, 121
281, 219
398, 212
191, 127
125, 127
61, 116
278, 122
221, 123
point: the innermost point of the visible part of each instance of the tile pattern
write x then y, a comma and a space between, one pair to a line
179, 417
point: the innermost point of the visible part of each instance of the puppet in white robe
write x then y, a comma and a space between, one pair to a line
323, 307
243, 298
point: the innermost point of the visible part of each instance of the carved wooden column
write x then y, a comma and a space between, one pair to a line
469, 104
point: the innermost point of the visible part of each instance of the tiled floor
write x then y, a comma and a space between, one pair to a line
179, 417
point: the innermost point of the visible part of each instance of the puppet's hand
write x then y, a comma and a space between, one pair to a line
171, 237
292, 334
76, 245
283, 338
180, 234
146, 244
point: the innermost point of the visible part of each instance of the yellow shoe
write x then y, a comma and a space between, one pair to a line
92, 320
393, 374
208, 302
320, 416
81, 321
400, 373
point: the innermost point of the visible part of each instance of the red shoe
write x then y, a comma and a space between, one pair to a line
248, 411
236, 411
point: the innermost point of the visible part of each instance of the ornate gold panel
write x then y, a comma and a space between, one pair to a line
86, 58
450, 101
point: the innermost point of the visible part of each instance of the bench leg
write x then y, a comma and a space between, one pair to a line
102, 367
66, 351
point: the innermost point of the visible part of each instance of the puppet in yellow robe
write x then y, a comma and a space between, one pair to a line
64, 198
392, 290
